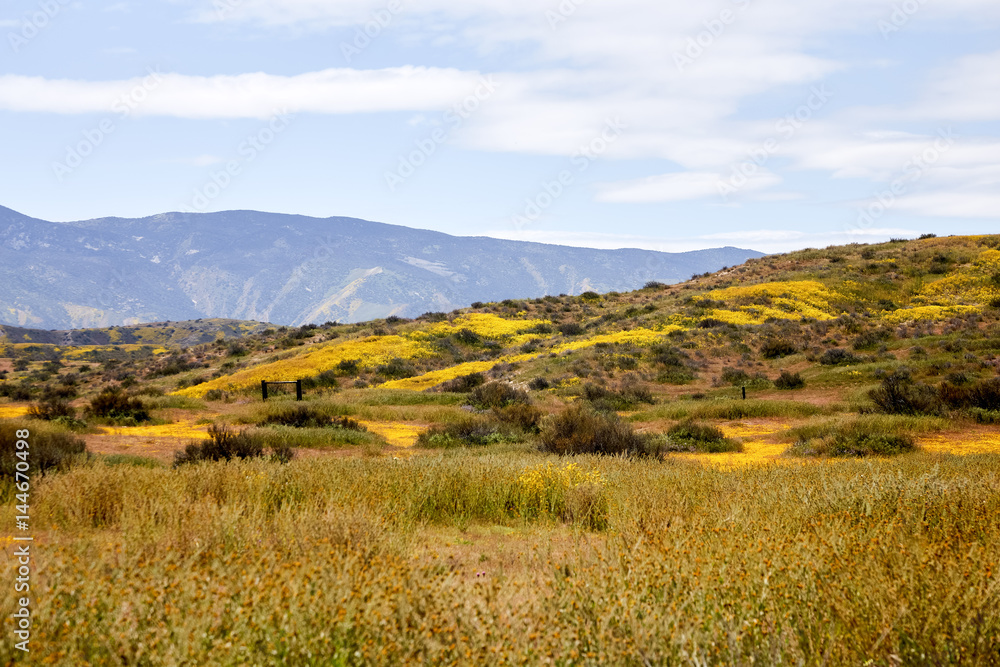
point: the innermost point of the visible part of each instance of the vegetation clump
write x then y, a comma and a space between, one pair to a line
692, 436
857, 438
497, 395
114, 405
48, 449
788, 381
226, 444
582, 430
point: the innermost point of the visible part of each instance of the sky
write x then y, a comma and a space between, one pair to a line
766, 124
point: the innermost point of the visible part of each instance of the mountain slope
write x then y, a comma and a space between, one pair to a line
291, 269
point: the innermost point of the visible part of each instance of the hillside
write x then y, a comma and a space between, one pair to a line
291, 269
561, 476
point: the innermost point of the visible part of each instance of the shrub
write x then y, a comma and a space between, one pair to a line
348, 367
839, 357
396, 369
775, 348
653, 284
691, 436
301, 416
854, 439
115, 405
463, 383
737, 378
900, 395
522, 416
497, 395
788, 381
51, 408
477, 431
47, 450
984, 395
327, 378
626, 398
571, 329
225, 444
872, 338
580, 430
538, 384
468, 337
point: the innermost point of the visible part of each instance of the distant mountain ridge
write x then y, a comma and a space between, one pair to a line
291, 269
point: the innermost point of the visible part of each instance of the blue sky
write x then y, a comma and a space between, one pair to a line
768, 124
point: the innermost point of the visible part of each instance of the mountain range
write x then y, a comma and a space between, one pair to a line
292, 269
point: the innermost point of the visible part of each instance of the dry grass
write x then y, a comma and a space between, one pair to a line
337, 562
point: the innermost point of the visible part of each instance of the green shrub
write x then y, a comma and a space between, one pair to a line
477, 431
839, 357
691, 436
47, 449
571, 329
396, 369
740, 378
519, 415
775, 348
497, 395
539, 384
51, 408
853, 439
788, 381
900, 395
225, 444
464, 383
302, 416
115, 405
872, 338
581, 430
626, 398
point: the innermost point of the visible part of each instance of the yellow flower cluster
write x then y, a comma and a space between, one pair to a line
486, 325
973, 285
12, 411
181, 429
927, 313
368, 352
641, 337
548, 477
786, 300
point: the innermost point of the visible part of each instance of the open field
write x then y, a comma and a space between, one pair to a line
572, 480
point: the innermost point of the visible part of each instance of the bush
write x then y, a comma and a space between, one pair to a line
854, 439
114, 405
519, 415
52, 408
47, 449
737, 378
984, 395
497, 395
464, 383
571, 329
775, 348
327, 379
396, 369
579, 430
301, 416
477, 431
539, 384
872, 338
625, 398
690, 436
787, 381
839, 357
900, 395
226, 444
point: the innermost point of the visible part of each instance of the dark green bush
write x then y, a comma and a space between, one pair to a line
854, 440
477, 431
900, 395
775, 348
625, 398
51, 408
47, 449
464, 383
497, 395
302, 416
872, 338
396, 369
225, 444
581, 430
571, 329
839, 357
115, 405
691, 436
538, 384
788, 381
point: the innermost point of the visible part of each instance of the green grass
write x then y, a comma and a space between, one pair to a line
315, 438
128, 460
728, 409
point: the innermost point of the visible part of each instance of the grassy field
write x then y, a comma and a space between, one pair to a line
445, 502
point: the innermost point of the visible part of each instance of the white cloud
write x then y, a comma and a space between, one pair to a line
259, 95
679, 187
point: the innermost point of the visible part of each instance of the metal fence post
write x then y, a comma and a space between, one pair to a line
263, 389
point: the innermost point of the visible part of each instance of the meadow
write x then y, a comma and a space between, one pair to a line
569, 480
